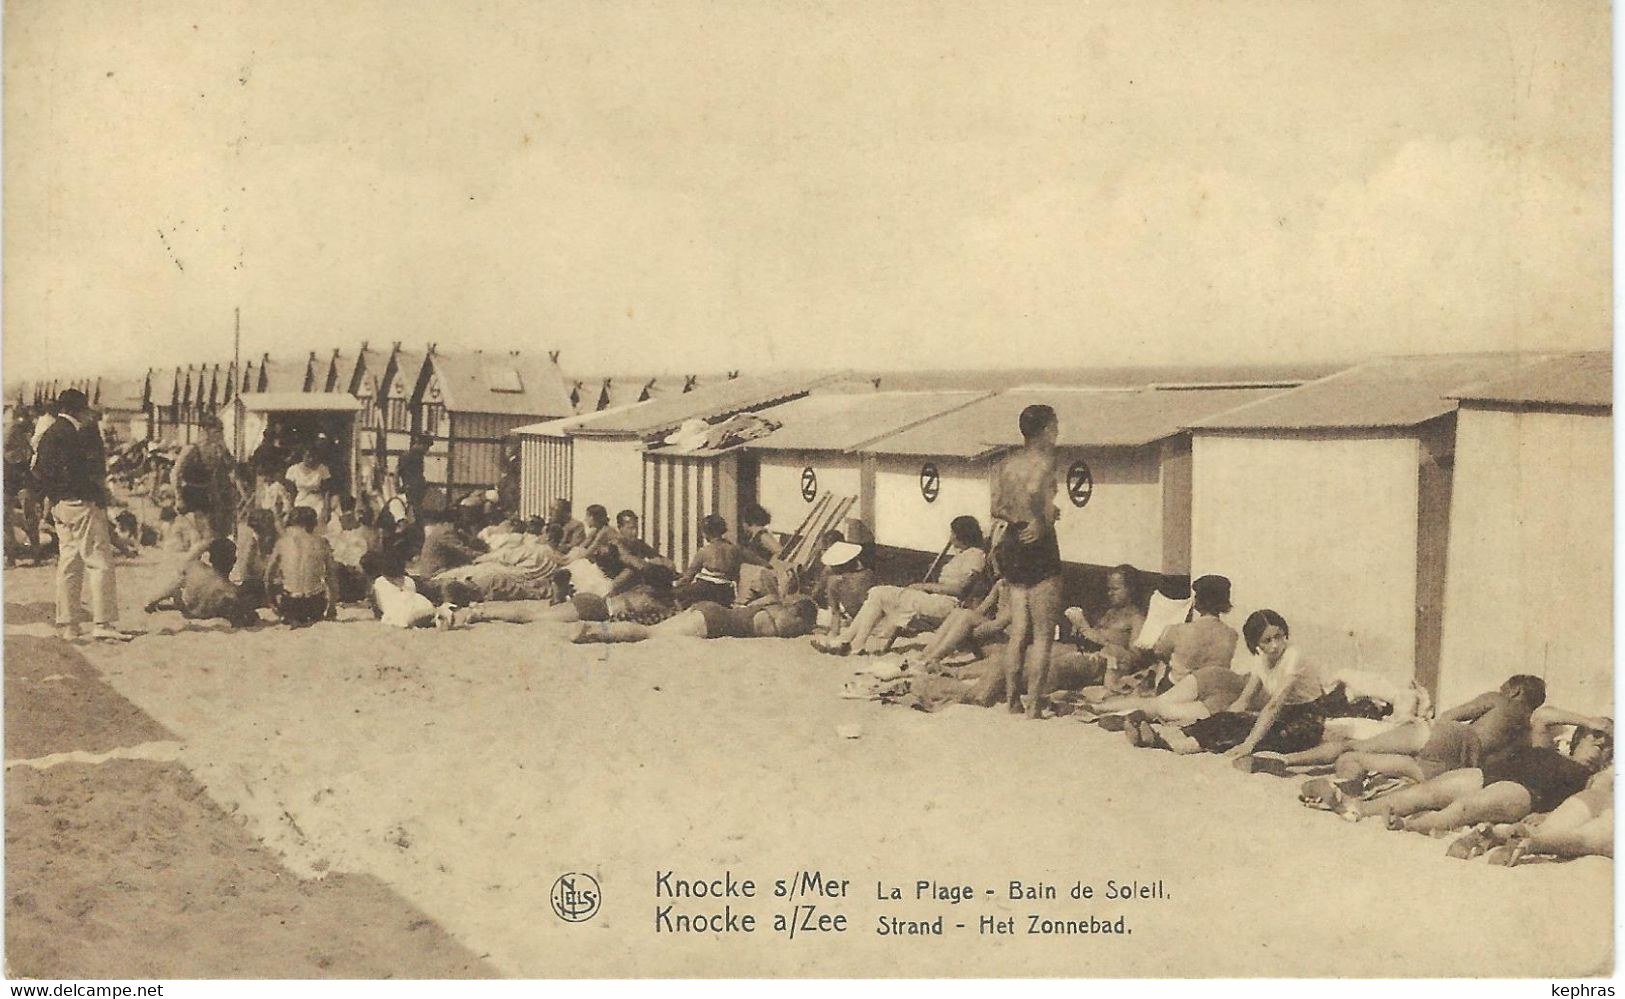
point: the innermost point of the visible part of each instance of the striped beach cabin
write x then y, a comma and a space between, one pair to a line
469, 404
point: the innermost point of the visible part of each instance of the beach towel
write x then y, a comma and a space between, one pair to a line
586, 577
1409, 700
1159, 616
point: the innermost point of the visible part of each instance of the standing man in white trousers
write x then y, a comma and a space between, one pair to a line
71, 466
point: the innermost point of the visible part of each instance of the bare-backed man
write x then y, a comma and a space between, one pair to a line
1029, 555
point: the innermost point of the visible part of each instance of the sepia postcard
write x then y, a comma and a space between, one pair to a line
542, 489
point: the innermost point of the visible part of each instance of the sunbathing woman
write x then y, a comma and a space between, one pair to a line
968, 629
1113, 632
395, 600
766, 617
1528, 781
1198, 695
1582, 826
713, 572
888, 609
1288, 684
1541, 734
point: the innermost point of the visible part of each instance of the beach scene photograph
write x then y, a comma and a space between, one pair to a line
553, 490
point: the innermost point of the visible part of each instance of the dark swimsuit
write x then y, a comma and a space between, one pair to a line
727, 622
1026, 565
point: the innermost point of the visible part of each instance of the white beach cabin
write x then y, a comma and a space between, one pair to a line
1126, 497
1330, 503
1530, 581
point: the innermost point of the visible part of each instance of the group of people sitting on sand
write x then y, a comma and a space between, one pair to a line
293, 545
1522, 778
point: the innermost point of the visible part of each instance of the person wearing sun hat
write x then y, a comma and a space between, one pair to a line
845, 577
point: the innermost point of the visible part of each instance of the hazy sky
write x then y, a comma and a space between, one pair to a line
687, 186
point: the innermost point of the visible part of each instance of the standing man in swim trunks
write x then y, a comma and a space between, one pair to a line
1029, 555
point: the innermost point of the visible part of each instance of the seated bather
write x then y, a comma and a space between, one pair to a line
889, 609
843, 578
1102, 652
201, 589
969, 629
639, 581
524, 568
1203, 641
1278, 708
1101, 646
766, 617
713, 573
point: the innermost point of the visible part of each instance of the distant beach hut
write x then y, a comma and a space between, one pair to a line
361, 380
392, 401
546, 460
469, 403
1530, 581
596, 393
1330, 503
333, 414
599, 457
163, 404
335, 375
286, 374
119, 400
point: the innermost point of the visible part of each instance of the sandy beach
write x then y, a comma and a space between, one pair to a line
430, 787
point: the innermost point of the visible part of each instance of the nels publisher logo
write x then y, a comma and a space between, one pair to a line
575, 897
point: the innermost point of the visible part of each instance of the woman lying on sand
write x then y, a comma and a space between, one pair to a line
519, 566
1582, 826
1544, 726
1202, 694
1289, 685
762, 618
1529, 781
395, 601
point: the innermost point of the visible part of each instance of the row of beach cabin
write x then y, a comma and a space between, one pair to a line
1446, 519
467, 404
